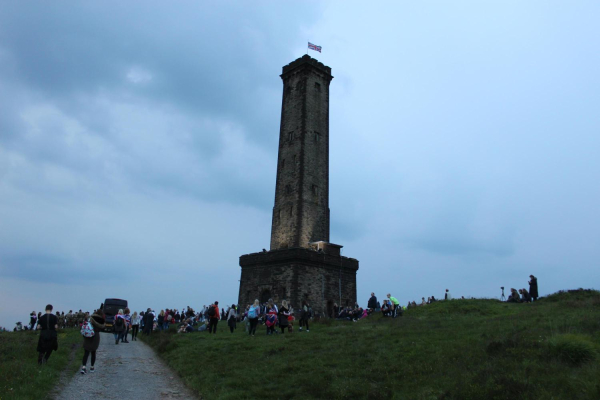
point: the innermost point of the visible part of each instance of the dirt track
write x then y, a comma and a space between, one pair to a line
126, 370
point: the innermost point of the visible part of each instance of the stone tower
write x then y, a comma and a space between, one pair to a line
301, 211
301, 264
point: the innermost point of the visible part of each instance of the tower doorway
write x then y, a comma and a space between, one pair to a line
265, 296
330, 312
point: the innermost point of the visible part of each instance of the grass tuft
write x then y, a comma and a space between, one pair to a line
574, 349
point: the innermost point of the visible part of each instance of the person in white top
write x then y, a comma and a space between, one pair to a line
448, 296
136, 319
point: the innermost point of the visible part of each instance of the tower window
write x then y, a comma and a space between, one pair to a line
291, 211
283, 163
291, 136
294, 159
315, 190
317, 137
317, 86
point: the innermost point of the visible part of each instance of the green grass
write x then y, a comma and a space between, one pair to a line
462, 349
20, 375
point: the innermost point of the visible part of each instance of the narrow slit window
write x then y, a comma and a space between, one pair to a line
294, 159
315, 190
291, 136
291, 211
317, 86
317, 137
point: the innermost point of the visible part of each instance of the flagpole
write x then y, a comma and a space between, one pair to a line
307, 42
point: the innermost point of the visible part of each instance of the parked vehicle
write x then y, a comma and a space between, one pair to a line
111, 308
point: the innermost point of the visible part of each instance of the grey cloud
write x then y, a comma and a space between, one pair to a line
56, 269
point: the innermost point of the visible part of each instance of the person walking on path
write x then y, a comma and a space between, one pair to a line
48, 341
253, 313
395, 304
135, 325
90, 344
127, 317
284, 313
304, 316
119, 327
213, 317
231, 318
533, 288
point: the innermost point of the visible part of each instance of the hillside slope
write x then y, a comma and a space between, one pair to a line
461, 349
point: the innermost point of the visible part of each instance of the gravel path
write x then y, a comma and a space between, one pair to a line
126, 370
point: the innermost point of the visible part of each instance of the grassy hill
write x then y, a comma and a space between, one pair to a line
20, 375
461, 349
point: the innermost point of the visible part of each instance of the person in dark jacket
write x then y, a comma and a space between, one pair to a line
90, 344
48, 341
514, 297
119, 327
32, 320
372, 304
161, 319
533, 288
148, 322
284, 313
304, 316
525, 296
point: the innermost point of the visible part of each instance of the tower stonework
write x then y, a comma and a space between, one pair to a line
301, 211
301, 264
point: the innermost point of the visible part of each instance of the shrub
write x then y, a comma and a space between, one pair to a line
572, 295
573, 349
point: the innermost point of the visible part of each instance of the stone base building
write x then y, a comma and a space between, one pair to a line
299, 274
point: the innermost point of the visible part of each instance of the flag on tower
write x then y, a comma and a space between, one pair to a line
314, 47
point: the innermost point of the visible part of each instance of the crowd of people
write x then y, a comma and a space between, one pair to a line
270, 315
69, 320
522, 295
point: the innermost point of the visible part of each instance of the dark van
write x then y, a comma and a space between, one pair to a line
111, 308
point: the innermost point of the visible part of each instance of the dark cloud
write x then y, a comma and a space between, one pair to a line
174, 77
205, 61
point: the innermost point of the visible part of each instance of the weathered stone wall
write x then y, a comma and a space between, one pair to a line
298, 274
301, 211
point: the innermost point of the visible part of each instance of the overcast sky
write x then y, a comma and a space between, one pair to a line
138, 146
